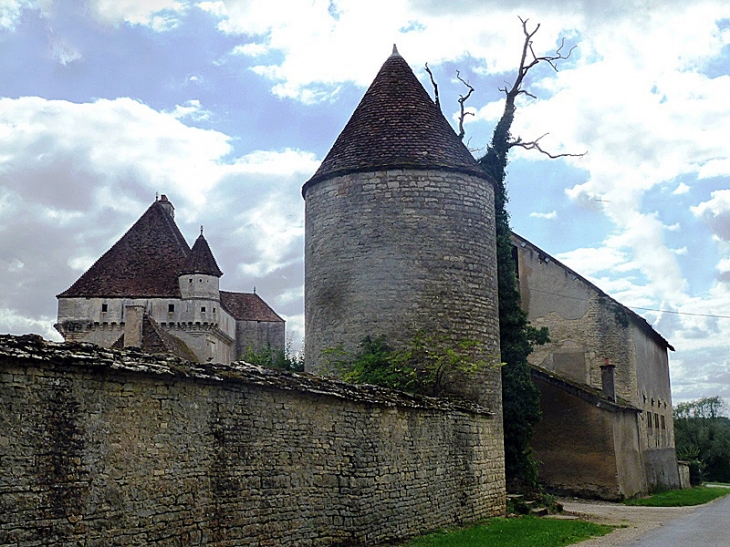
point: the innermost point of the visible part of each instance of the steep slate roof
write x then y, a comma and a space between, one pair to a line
396, 125
201, 260
144, 263
248, 307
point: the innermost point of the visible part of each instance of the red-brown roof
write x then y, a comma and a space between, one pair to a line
201, 260
396, 125
248, 307
144, 263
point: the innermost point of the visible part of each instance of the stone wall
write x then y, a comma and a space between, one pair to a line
99, 447
258, 335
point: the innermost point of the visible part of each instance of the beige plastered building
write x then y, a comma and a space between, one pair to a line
607, 426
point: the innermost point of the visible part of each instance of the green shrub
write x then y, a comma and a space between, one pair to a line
426, 365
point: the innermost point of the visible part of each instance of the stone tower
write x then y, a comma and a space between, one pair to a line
399, 233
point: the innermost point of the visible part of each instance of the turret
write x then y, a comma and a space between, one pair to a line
199, 278
400, 233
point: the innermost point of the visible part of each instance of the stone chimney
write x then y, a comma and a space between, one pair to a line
133, 326
608, 379
166, 205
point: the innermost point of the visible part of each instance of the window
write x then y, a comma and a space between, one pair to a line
104, 308
190, 280
664, 423
170, 308
656, 421
649, 420
202, 309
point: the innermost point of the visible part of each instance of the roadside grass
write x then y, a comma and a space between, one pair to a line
681, 498
515, 532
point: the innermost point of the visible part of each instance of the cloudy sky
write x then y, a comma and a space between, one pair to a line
228, 107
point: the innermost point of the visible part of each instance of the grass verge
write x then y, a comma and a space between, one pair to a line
515, 532
681, 498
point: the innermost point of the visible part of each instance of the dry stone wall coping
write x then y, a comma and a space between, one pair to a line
33, 348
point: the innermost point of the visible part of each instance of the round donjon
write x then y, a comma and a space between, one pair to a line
399, 233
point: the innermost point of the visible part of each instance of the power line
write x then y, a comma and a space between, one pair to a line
681, 312
636, 307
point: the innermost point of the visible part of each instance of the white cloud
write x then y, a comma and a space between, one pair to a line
159, 15
326, 43
681, 189
552, 215
716, 213
16, 323
192, 110
251, 50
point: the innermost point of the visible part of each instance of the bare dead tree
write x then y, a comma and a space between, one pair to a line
462, 99
435, 88
528, 61
520, 398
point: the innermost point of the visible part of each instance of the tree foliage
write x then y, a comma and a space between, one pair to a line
425, 365
274, 358
702, 437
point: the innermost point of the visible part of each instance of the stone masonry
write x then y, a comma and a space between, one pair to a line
103, 447
392, 252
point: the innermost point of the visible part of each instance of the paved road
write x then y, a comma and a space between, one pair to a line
708, 526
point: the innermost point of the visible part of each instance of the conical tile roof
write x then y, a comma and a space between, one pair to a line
144, 263
396, 125
201, 259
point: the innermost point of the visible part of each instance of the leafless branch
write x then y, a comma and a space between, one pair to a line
435, 88
530, 59
462, 99
535, 145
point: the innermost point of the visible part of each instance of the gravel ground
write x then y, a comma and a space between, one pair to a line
635, 520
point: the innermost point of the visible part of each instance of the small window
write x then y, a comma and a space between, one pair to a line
213, 310
104, 308
170, 308
649, 420
664, 423
202, 309
656, 421
190, 280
